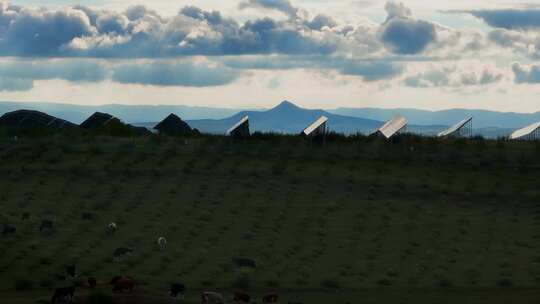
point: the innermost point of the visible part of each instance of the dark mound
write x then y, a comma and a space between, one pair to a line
29, 119
173, 125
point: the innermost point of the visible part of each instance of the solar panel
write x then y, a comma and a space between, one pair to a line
238, 125
393, 127
318, 127
528, 132
457, 128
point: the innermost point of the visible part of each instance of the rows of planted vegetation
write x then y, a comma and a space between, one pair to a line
356, 213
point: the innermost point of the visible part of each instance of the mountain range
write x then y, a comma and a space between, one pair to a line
289, 118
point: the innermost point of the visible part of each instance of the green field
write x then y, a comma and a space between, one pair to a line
358, 220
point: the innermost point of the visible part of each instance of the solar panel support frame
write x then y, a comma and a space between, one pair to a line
465, 130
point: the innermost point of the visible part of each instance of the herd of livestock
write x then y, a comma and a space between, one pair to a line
121, 284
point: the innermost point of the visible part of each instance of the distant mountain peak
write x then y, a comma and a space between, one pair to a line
286, 105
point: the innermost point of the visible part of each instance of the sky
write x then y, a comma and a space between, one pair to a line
434, 55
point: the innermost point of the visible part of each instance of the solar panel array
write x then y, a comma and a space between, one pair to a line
464, 126
318, 127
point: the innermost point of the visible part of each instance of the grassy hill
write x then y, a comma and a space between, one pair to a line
415, 220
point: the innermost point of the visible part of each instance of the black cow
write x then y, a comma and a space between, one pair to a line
46, 226
241, 297
178, 289
92, 282
9, 229
270, 298
63, 294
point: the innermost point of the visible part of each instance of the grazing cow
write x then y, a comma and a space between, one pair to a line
121, 284
178, 289
270, 298
162, 243
121, 252
92, 282
64, 295
46, 226
25, 216
88, 216
112, 227
71, 270
245, 262
9, 229
209, 297
241, 297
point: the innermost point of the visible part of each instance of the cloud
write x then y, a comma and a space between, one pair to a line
526, 73
188, 74
397, 10
320, 22
524, 43
371, 71
283, 6
404, 35
41, 33
454, 77
140, 32
15, 84
75, 71
368, 70
511, 19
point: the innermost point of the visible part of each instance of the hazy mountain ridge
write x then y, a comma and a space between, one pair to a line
289, 118
482, 118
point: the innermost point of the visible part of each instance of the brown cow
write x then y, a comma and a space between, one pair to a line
121, 284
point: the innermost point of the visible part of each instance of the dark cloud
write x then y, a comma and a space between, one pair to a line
368, 70
512, 19
15, 84
283, 6
321, 21
112, 23
404, 35
526, 74
20, 75
187, 74
407, 36
43, 33
75, 71
371, 71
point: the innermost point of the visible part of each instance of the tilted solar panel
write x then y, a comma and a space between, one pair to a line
316, 126
523, 133
393, 127
455, 128
238, 125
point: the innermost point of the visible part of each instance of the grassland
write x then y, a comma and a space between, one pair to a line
410, 221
